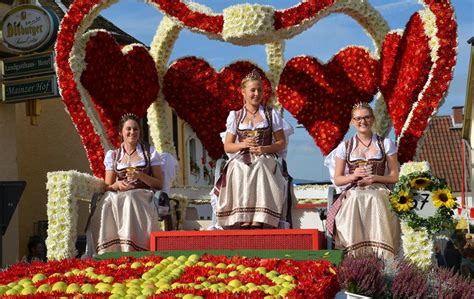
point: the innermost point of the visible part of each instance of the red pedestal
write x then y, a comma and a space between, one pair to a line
281, 239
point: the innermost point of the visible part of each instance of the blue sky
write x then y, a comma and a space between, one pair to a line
322, 40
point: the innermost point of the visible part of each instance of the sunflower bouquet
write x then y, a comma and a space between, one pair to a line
416, 177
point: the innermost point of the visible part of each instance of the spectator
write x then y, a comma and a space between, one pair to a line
36, 252
452, 256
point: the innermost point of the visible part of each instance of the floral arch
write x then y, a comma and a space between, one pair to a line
409, 72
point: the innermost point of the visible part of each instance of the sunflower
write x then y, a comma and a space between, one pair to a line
420, 183
402, 201
443, 197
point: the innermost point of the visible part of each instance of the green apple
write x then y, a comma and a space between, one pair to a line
13, 284
148, 291
103, 287
150, 264
89, 269
88, 289
136, 265
11, 292
235, 283
188, 296
108, 279
198, 297
60, 286
3, 289
233, 273
270, 291
28, 290
76, 271
143, 296
134, 292
240, 267
112, 266
44, 288
73, 288
206, 284
222, 275
18, 288
261, 270
118, 285
38, 277
221, 266
231, 266
24, 281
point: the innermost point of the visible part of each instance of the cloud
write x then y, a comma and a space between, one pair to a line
397, 5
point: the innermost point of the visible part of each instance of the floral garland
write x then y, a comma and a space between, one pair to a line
417, 246
184, 276
65, 188
159, 120
416, 177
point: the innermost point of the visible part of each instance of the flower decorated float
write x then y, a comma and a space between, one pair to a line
408, 73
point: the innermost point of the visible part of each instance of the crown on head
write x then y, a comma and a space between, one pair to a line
128, 116
253, 75
361, 105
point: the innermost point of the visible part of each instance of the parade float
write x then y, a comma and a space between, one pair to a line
407, 73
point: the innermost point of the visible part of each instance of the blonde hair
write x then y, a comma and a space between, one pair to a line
252, 76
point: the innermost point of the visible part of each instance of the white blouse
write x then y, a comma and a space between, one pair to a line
277, 122
155, 159
389, 145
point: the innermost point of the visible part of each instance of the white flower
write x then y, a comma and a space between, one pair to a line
411, 167
248, 22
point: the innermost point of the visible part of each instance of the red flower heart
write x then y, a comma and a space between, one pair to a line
204, 98
118, 80
414, 86
406, 64
321, 96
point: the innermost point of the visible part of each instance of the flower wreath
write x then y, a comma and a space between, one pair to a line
415, 177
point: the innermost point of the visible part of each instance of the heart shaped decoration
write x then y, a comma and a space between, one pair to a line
321, 96
118, 80
406, 63
417, 68
203, 97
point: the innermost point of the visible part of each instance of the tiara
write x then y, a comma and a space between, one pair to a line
128, 116
361, 105
253, 75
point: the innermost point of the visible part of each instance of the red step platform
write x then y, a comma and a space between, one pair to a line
278, 239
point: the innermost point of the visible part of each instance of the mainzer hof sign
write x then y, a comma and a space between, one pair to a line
29, 28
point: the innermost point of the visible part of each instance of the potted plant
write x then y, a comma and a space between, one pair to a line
362, 276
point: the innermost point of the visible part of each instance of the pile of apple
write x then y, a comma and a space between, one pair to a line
191, 276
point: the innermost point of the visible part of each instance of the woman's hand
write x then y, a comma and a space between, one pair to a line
257, 150
122, 186
134, 176
360, 172
366, 181
249, 142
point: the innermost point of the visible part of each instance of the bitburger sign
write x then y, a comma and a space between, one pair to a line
29, 28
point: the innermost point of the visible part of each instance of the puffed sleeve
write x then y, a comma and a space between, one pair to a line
230, 123
155, 158
390, 147
277, 121
109, 160
340, 151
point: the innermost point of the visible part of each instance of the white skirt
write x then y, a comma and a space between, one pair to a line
122, 222
252, 193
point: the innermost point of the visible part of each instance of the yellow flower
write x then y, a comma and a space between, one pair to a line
443, 197
420, 183
403, 201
